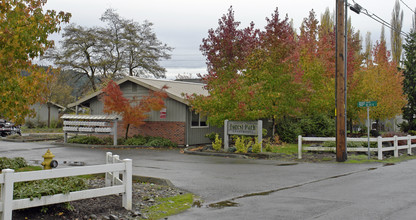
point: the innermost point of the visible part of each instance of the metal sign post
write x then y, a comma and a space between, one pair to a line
368, 105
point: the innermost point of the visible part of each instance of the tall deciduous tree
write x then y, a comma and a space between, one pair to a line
409, 84
381, 81
227, 47
395, 36
133, 111
24, 31
123, 47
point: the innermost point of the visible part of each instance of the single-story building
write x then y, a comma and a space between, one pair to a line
176, 122
46, 113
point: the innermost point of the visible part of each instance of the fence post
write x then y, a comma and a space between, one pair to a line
396, 144
116, 174
127, 181
380, 148
7, 194
108, 160
300, 147
409, 145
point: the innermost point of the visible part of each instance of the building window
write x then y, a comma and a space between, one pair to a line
134, 87
198, 120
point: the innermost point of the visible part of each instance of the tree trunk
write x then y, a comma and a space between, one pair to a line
127, 131
49, 115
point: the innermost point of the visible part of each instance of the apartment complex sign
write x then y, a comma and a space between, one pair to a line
243, 128
250, 128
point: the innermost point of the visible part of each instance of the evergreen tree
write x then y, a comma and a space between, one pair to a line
409, 84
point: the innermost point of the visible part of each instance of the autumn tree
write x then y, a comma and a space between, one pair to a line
395, 34
227, 47
409, 84
25, 28
381, 81
57, 90
274, 87
133, 111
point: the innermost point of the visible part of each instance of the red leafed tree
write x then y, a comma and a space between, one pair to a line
133, 111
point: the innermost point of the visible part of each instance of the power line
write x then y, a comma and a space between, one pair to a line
408, 7
358, 8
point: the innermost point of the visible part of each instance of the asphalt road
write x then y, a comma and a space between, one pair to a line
260, 189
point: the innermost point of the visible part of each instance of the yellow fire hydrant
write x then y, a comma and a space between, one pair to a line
48, 162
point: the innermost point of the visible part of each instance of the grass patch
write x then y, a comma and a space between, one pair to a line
361, 158
289, 149
25, 129
29, 168
169, 206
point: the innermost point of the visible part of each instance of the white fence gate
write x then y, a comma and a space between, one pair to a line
114, 185
380, 149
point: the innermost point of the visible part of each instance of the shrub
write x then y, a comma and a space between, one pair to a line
45, 187
211, 136
412, 132
86, 140
256, 147
242, 144
374, 133
160, 142
268, 148
288, 130
217, 144
30, 124
136, 140
15, 163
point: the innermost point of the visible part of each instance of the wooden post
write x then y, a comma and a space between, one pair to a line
300, 147
396, 145
127, 182
7, 194
380, 148
409, 145
340, 75
260, 134
226, 144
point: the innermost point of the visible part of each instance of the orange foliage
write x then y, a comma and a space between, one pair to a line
133, 111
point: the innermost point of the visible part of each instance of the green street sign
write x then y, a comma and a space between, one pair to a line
367, 104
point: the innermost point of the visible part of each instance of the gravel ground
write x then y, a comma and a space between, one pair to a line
106, 207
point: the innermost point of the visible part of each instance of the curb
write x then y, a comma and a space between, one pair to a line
231, 155
114, 146
31, 140
187, 151
154, 180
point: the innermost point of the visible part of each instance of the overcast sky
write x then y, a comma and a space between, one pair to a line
183, 23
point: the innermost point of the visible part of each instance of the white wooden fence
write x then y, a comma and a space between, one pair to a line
115, 185
380, 149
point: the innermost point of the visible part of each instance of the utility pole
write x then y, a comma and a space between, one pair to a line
340, 82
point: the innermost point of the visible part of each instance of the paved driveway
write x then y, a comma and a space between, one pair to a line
262, 189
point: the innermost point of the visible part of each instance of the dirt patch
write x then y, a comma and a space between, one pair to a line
106, 207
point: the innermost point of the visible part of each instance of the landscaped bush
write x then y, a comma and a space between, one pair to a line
136, 140
217, 144
38, 188
211, 136
290, 128
160, 142
243, 143
86, 140
15, 163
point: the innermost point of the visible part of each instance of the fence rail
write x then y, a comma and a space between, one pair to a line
380, 149
112, 169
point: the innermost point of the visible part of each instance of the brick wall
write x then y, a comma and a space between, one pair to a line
174, 131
